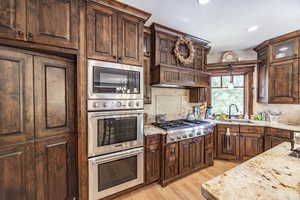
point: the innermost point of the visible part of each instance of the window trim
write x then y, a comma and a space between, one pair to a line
248, 91
222, 87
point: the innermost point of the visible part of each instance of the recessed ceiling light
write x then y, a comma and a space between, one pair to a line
253, 28
203, 1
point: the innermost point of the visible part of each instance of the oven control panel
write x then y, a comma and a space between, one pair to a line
98, 105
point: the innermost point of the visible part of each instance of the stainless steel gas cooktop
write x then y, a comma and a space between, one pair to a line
183, 129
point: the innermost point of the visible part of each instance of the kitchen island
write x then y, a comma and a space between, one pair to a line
272, 175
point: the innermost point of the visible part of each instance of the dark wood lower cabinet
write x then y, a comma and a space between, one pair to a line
244, 142
274, 137
191, 154
17, 172
171, 160
186, 156
209, 149
250, 145
185, 153
228, 146
56, 169
197, 152
152, 158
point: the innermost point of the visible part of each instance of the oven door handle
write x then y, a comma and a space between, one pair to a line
116, 156
107, 116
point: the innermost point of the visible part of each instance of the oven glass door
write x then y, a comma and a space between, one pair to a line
114, 131
115, 172
114, 81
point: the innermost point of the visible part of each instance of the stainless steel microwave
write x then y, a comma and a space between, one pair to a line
114, 81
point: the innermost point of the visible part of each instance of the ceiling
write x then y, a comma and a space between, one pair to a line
225, 22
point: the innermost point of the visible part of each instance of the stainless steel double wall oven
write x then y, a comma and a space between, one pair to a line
115, 127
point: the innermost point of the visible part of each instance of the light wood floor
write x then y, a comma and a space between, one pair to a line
187, 188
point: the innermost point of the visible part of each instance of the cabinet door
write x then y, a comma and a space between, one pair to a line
56, 169
16, 97
198, 95
284, 82
185, 156
17, 173
54, 97
250, 145
53, 22
13, 19
285, 50
199, 57
147, 81
102, 33
277, 140
130, 40
262, 84
197, 152
228, 146
147, 44
153, 156
262, 76
171, 161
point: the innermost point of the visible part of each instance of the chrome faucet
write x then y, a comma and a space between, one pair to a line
237, 109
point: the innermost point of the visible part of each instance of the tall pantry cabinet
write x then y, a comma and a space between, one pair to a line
37, 140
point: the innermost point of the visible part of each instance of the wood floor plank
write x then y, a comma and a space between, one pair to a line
187, 188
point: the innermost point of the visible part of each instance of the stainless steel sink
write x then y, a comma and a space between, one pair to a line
237, 121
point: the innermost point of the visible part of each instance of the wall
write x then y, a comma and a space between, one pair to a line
290, 113
170, 101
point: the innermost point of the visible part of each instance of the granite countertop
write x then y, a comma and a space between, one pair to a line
152, 130
272, 175
278, 125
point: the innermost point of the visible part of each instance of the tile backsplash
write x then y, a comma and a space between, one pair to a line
170, 101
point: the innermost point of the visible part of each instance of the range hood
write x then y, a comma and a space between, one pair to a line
171, 77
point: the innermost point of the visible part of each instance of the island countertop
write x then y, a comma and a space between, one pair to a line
272, 175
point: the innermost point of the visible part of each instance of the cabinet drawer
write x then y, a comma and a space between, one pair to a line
152, 147
223, 127
281, 133
251, 129
152, 139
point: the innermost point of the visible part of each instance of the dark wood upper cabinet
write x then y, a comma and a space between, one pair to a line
262, 76
130, 39
53, 22
56, 169
167, 70
285, 50
278, 70
147, 80
147, 43
17, 172
54, 97
102, 32
13, 19
16, 94
114, 36
284, 82
198, 95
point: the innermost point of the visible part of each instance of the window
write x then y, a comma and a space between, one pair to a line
222, 96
